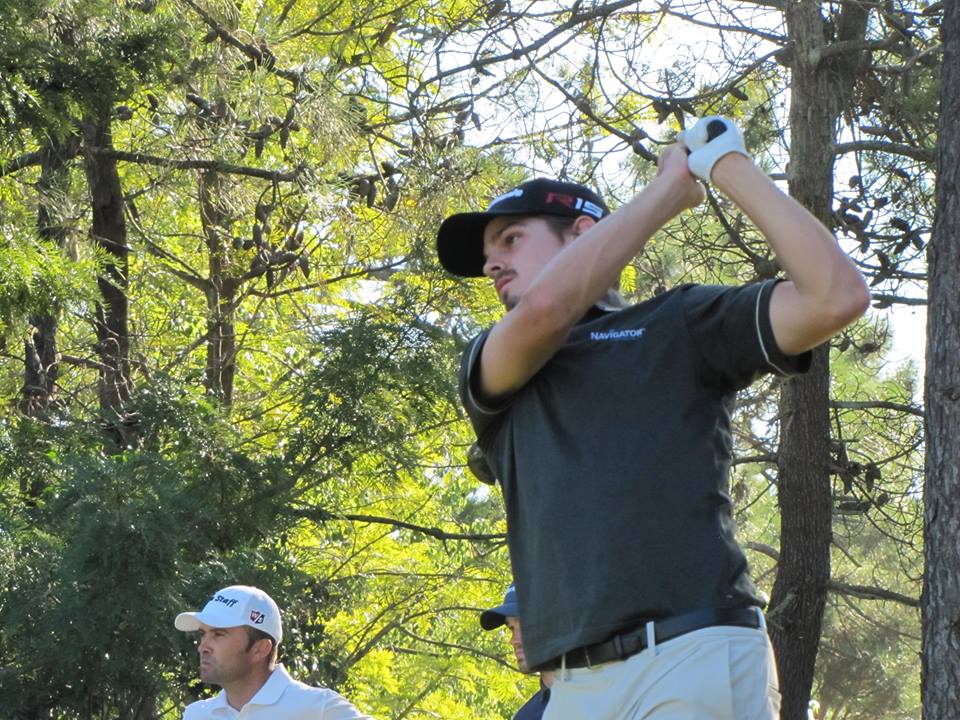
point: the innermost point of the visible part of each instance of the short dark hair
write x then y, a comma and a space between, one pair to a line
255, 634
558, 224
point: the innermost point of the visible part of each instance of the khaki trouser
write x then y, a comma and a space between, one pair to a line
718, 673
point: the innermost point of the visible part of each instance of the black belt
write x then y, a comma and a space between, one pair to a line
622, 646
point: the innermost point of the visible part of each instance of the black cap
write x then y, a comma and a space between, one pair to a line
460, 238
495, 617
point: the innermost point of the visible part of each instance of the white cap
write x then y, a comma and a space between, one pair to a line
234, 606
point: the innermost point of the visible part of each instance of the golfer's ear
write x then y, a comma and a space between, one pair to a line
581, 225
262, 648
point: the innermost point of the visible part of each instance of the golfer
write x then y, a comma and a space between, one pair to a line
609, 428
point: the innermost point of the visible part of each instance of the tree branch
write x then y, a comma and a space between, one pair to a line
321, 516
19, 163
633, 139
864, 592
926, 155
452, 646
745, 29
517, 53
888, 299
81, 362
762, 458
260, 56
213, 165
867, 592
764, 549
876, 405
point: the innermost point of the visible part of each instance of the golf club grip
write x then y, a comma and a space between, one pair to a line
715, 129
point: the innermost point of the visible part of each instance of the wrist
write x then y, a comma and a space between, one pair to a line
674, 192
712, 138
729, 167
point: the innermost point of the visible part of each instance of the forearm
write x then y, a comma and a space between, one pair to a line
578, 275
592, 263
827, 290
805, 249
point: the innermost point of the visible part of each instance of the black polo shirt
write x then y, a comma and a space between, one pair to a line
614, 460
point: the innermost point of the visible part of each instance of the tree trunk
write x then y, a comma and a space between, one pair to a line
109, 232
940, 605
800, 591
40, 348
818, 91
221, 293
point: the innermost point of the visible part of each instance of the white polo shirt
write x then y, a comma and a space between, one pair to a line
280, 698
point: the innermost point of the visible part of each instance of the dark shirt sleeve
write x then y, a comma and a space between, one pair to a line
482, 413
731, 329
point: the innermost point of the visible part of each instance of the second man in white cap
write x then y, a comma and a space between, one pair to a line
240, 630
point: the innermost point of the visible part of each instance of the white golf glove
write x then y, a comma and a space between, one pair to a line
708, 141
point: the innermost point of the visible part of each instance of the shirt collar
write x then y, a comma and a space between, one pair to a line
611, 302
219, 702
270, 692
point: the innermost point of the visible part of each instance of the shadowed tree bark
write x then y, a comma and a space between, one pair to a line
220, 290
941, 595
40, 348
40, 354
109, 231
819, 89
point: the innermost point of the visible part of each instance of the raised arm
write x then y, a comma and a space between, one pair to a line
587, 265
825, 292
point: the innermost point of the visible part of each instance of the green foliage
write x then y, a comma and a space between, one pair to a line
294, 345
36, 278
66, 59
102, 554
